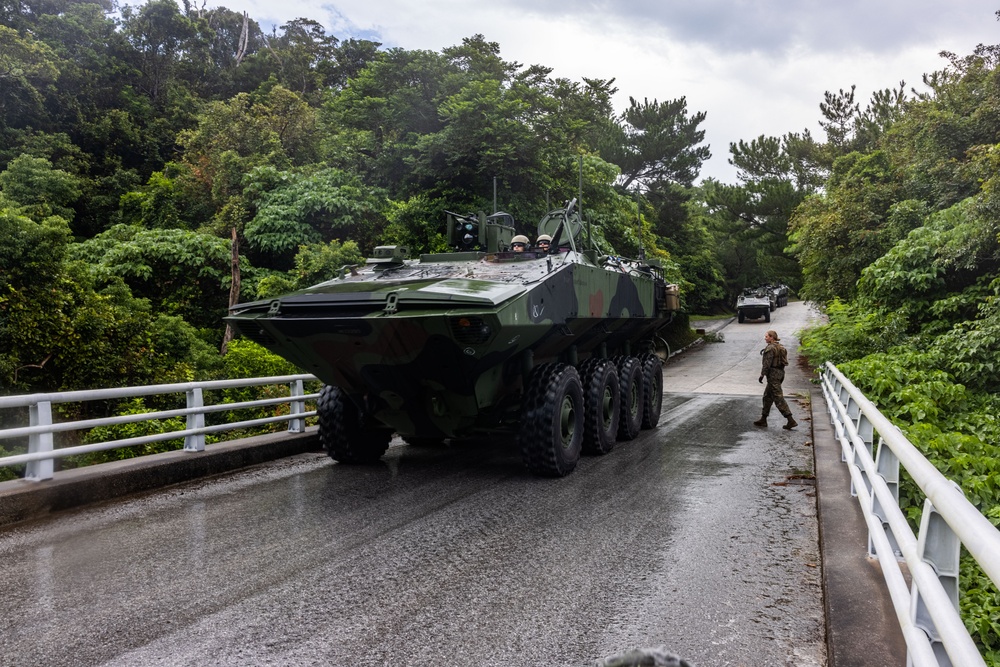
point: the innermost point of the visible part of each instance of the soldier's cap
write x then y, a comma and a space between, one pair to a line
773, 334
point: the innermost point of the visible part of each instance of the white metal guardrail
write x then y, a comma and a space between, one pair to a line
928, 610
41, 454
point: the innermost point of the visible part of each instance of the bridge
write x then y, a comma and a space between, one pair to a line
726, 544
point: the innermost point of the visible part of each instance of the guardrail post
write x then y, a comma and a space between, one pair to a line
853, 412
939, 547
195, 443
831, 392
866, 433
845, 396
297, 407
836, 390
886, 467
40, 414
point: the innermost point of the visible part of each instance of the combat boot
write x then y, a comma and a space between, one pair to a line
791, 423
761, 422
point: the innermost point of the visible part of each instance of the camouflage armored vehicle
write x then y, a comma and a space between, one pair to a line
557, 348
755, 302
780, 292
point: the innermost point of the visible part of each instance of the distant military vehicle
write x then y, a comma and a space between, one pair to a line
557, 348
780, 292
755, 302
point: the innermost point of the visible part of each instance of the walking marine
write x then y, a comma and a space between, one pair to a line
774, 358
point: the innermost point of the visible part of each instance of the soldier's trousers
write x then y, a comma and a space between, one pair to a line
773, 393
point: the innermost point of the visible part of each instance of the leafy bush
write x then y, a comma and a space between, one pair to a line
420, 223
181, 272
276, 284
246, 359
971, 349
10, 472
180, 345
135, 406
317, 263
979, 605
852, 333
309, 208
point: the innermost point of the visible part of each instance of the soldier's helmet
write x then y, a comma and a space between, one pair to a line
519, 243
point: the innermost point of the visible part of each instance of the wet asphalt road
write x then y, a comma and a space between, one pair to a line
700, 535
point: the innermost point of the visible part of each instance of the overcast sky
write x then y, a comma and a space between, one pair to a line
754, 66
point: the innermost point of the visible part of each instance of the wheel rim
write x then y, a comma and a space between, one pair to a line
567, 421
633, 400
606, 410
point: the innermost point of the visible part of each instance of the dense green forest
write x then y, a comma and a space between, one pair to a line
137, 144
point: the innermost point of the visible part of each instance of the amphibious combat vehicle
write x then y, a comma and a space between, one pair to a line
556, 347
780, 292
754, 303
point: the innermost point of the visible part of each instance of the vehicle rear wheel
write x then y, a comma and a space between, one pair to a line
601, 406
342, 430
630, 383
652, 390
551, 435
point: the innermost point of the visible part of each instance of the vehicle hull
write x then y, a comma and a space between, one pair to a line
448, 356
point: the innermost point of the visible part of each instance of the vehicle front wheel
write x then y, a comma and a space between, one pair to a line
342, 429
551, 433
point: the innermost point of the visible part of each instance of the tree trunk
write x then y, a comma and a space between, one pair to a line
234, 291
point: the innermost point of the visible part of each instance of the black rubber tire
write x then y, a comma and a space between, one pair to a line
741, 316
767, 316
551, 434
652, 390
630, 383
601, 406
342, 431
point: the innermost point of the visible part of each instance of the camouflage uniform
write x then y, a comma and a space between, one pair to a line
774, 358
